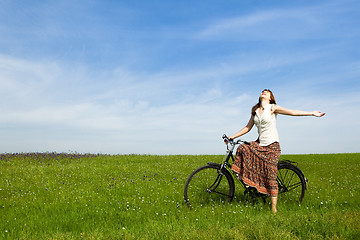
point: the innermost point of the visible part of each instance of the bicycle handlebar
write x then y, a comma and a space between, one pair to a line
231, 141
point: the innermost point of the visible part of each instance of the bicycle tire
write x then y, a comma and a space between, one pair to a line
208, 184
291, 183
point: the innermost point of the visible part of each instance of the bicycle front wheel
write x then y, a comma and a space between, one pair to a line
291, 182
208, 184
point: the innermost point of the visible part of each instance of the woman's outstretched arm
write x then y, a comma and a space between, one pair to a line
281, 110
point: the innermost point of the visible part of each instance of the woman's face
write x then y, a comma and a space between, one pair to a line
265, 95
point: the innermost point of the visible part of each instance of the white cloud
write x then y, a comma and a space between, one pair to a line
287, 23
20, 77
114, 117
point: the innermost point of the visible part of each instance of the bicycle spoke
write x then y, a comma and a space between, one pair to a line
285, 178
293, 186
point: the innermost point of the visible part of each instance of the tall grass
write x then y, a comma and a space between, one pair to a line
74, 196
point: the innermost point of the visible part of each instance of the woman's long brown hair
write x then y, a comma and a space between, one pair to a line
256, 106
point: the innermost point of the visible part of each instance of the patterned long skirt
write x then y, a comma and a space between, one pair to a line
256, 166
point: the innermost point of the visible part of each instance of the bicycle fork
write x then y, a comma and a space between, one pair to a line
216, 184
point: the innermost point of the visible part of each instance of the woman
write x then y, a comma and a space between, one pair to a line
255, 163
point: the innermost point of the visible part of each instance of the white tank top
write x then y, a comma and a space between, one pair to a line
266, 124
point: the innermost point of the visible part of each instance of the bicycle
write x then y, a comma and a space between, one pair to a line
213, 182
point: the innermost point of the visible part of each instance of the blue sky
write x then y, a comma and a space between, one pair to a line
170, 77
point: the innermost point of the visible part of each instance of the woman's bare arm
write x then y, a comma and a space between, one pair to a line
245, 129
281, 110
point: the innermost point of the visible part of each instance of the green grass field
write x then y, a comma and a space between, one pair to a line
74, 196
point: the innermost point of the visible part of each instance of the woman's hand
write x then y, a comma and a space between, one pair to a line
318, 113
227, 139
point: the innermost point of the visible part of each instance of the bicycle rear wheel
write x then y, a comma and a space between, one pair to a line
208, 184
291, 182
